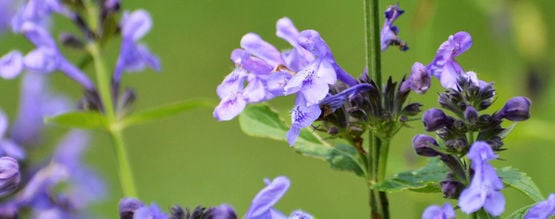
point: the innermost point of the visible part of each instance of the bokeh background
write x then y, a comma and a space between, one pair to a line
192, 159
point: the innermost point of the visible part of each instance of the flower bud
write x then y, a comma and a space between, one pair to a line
222, 212
450, 187
9, 175
457, 144
516, 109
423, 145
411, 109
128, 206
434, 119
470, 114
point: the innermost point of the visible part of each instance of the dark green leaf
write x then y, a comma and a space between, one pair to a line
520, 213
84, 120
165, 111
425, 179
262, 121
520, 181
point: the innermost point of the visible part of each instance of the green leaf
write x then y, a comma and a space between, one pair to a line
165, 111
507, 130
520, 213
84, 120
261, 121
520, 181
425, 179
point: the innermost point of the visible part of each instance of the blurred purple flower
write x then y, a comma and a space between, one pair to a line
9, 175
419, 78
35, 11
149, 212
485, 187
11, 65
437, 212
7, 146
262, 204
444, 66
542, 210
134, 57
7, 11
389, 31
36, 102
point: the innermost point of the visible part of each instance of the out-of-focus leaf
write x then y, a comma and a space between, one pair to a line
84, 120
425, 179
520, 213
521, 182
261, 121
165, 111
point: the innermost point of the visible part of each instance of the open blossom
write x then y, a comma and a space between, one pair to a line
134, 56
35, 11
389, 31
444, 66
263, 203
485, 187
542, 210
437, 212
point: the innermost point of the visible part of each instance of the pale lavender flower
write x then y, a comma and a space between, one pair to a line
134, 57
444, 66
35, 11
485, 187
437, 212
542, 210
419, 78
262, 204
46, 58
7, 10
389, 31
223, 211
9, 175
149, 212
11, 64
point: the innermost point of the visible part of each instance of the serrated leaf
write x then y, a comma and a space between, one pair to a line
262, 121
425, 179
165, 111
83, 120
520, 181
520, 213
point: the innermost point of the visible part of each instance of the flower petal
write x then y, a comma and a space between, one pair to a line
265, 199
229, 107
136, 24
11, 65
255, 45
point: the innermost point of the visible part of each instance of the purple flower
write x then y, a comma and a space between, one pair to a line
149, 212
36, 102
338, 100
128, 206
35, 11
444, 66
262, 204
389, 31
11, 65
516, 109
7, 146
46, 58
434, 119
424, 146
437, 212
134, 57
9, 175
301, 116
298, 57
7, 10
485, 187
542, 210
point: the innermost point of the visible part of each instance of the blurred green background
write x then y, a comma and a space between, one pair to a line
191, 159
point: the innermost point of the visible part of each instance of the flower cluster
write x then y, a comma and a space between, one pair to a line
468, 133
261, 207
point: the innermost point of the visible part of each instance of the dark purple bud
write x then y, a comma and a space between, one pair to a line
177, 212
470, 114
9, 175
128, 206
457, 144
419, 78
434, 119
424, 146
71, 41
222, 212
450, 187
516, 109
333, 130
112, 5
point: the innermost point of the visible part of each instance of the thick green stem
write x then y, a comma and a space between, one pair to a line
372, 36
113, 126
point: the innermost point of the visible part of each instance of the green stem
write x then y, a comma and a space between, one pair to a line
125, 173
113, 128
372, 36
